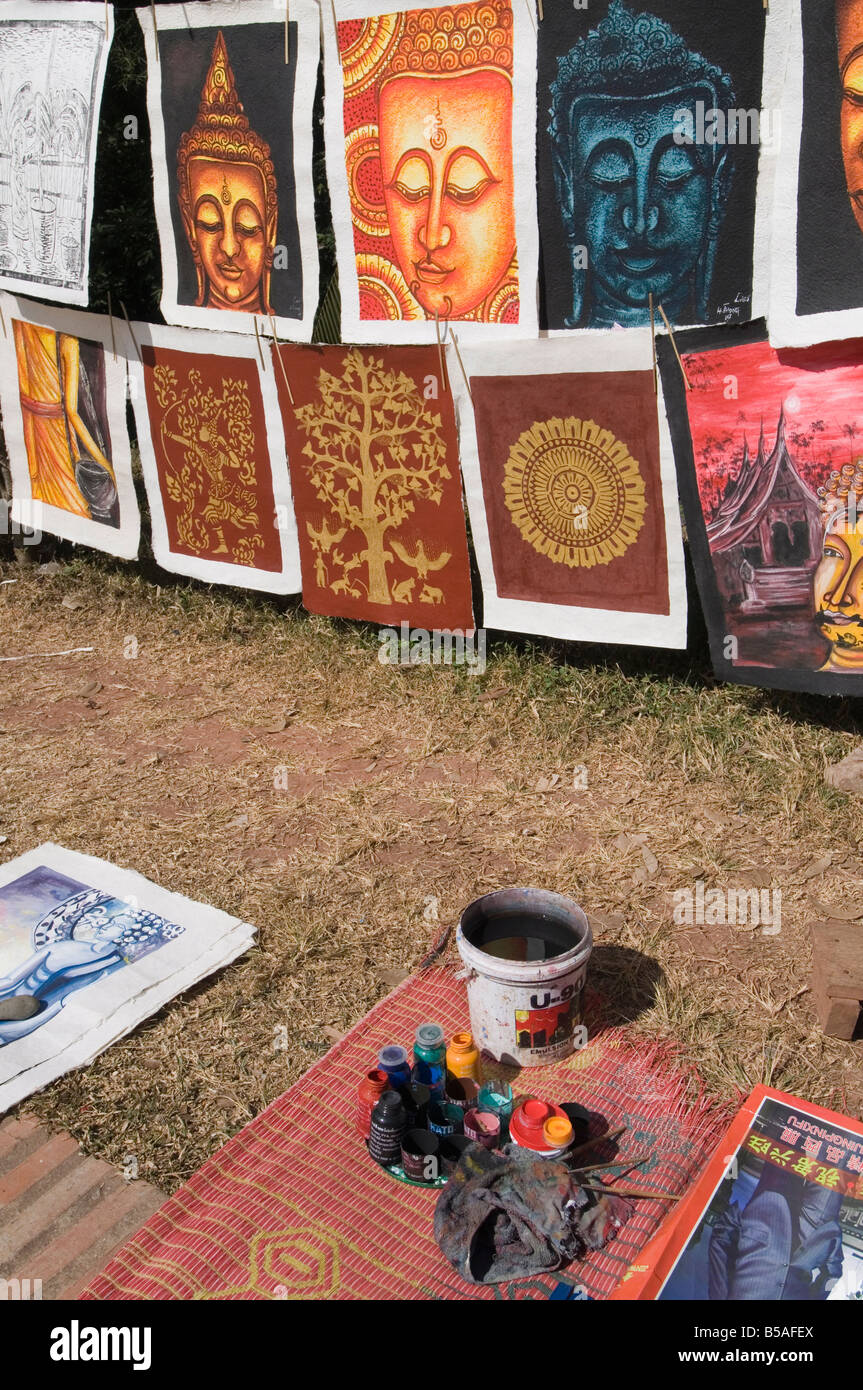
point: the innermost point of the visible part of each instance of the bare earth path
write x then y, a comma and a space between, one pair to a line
249, 755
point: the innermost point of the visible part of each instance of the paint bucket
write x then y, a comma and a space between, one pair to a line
421, 1155
526, 953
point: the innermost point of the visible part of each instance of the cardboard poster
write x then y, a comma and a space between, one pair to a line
52, 67
767, 451
430, 121
87, 951
63, 396
374, 470
571, 491
649, 137
817, 285
213, 455
231, 133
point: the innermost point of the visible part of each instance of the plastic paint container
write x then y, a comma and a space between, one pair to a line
421, 1155
462, 1057
394, 1061
430, 1057
369, 1092
415, 1099
440, 1123
526, 953
462, 1091
482, 1127
527, 1126
558, 1134
497, 1097
389, 1122
451, 1150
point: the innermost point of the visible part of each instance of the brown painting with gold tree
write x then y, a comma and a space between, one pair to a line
374, 472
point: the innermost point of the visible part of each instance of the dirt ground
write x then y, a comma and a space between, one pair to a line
239, 751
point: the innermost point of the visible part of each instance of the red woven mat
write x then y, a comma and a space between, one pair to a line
292, 1206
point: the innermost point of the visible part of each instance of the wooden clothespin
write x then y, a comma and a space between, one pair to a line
674, 345
111, 321
653, 343
155, 27
260, 349
278, 348
287, 22
131, 333
460, 362
443, 375
539, 7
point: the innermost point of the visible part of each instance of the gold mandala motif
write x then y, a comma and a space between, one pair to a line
575, 492
370, 51
383, 283
360, 146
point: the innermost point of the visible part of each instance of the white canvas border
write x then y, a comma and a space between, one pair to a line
589, 350
200, 15
121, 541
288, 579
363, 331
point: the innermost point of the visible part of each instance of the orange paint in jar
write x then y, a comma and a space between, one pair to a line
462, 1057
369, 1092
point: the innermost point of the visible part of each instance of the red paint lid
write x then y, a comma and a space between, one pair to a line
528, 1121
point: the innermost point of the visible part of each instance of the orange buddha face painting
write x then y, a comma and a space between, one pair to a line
428, 121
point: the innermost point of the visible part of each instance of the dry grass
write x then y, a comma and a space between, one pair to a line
264, 761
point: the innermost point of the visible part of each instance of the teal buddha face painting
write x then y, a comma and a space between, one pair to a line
642, 205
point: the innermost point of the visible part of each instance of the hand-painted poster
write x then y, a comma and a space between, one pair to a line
231, 130
52, 67
86, 952
571, 492
817, 285
430, 124
63, 396
213, 455
649, 128
374, 468
767, 451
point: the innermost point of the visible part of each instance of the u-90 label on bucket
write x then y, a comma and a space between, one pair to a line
549, 1024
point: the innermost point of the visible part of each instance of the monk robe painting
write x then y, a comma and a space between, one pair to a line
817, 292
63, 398
570, 492
430, 133
213, 456
767, 446
374, 469
648, 153
231, 124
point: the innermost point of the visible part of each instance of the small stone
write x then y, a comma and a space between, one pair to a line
847, 775
19, 1007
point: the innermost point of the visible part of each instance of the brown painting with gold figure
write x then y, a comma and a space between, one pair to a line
374, 471
433, 123
231, 130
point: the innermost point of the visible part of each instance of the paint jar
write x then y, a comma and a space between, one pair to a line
462, 1091
439, 1122
497, 1097
558, 1134
451, 1150
482, 1127
369, 1092
394, 1061
430, 1057
415, 1099
526, 953
462, 1057
388, 1124
527, 1126
421, 1155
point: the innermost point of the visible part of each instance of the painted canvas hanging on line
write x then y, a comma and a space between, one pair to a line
767, 447
52, 68
63, 397
374, 470
213, 456
571, 491
87, 951
650, 130
430, 122
230, 90
817, 287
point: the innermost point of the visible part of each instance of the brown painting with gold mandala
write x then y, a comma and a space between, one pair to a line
430, 147
571, 494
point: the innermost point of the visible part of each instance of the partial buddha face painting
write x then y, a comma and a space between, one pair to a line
429, 159
849, 37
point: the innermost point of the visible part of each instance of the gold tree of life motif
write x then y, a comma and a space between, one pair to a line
574, 491
208, 443
374, 450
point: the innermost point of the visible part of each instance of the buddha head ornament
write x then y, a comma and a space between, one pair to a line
227, 196
642, 207
443, 157
838, 581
